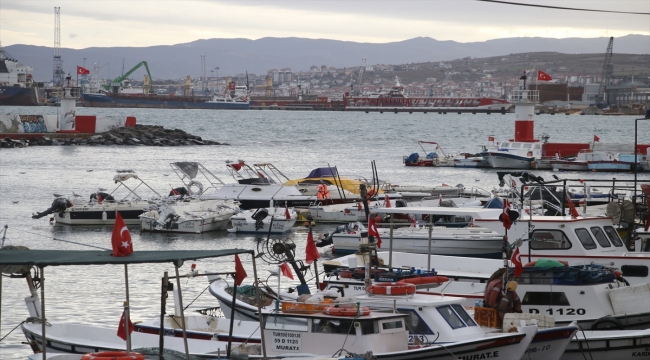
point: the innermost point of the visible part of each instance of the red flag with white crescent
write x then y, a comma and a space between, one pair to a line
372, 231
121, 238
516, 261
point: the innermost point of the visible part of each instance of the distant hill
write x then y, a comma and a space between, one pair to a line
234, 56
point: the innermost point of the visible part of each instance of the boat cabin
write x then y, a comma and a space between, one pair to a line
319, 333
533, 149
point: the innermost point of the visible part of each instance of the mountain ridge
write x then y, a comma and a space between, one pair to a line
234, 56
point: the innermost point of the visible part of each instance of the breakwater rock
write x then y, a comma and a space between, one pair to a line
139, 135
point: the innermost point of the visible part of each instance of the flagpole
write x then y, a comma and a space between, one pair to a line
315, 269
127, 314
43, 339
259, 307
180, 302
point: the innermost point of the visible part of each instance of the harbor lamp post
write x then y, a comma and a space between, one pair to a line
636, 129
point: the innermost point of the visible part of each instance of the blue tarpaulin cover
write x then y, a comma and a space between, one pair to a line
323, 172
412, 158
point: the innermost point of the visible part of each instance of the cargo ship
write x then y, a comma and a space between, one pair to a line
234, 98
16, 84
396, 100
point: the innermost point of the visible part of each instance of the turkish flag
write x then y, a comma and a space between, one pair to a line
543, 76
414, 223
240, 272
372, 231
311, 251
505, 217
387, 201
236, 166
82, 71
287, 214
121, 238
286, 270
516, 261
596, 138
121, 328
490, 138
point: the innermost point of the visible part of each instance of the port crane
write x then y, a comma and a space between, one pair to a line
605, 75
361, 68
118, 80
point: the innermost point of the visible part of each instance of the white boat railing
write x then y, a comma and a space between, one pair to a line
531, 96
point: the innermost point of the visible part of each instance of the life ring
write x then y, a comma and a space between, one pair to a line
391, 289
113, 355
346, 311
608, 323
198, 185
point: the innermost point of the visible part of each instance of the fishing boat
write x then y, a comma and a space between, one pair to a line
101, 207
447, 322
73, 338
263, 221
618, 162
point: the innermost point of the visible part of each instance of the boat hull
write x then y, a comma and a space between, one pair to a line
161, 102
624, 166
241, 225
562, 165
18, 96
442, 244
500, 160
106, 216
607, 345
471, 163
196, 226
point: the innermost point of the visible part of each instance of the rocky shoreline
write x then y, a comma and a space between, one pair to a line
139, 135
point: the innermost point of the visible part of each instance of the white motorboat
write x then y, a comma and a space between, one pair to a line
264, 221
188, 215
102, 207
441, 240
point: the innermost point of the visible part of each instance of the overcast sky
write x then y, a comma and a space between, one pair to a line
90, 23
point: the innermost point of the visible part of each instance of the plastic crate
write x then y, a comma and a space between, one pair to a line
487, 317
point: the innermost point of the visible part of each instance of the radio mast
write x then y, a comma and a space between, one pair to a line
57, 78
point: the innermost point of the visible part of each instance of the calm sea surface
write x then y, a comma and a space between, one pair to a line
295, 142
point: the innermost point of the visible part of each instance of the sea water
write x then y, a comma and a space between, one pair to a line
294, 141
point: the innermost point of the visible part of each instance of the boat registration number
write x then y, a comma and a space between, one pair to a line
560, 311
286, 341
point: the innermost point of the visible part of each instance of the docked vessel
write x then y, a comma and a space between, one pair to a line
396, 99
234, 98
16, 84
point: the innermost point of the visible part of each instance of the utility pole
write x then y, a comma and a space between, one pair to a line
57, 76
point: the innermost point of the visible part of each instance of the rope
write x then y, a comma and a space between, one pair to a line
340, 351
68, 241
22, 322
586, 342
188, 305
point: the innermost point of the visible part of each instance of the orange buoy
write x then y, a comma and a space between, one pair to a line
113, 355
391, 289
346, 311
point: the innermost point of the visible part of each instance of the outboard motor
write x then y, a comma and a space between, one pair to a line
182, 191
58, 205
259, 215
327, 239
102, 196
400, 203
